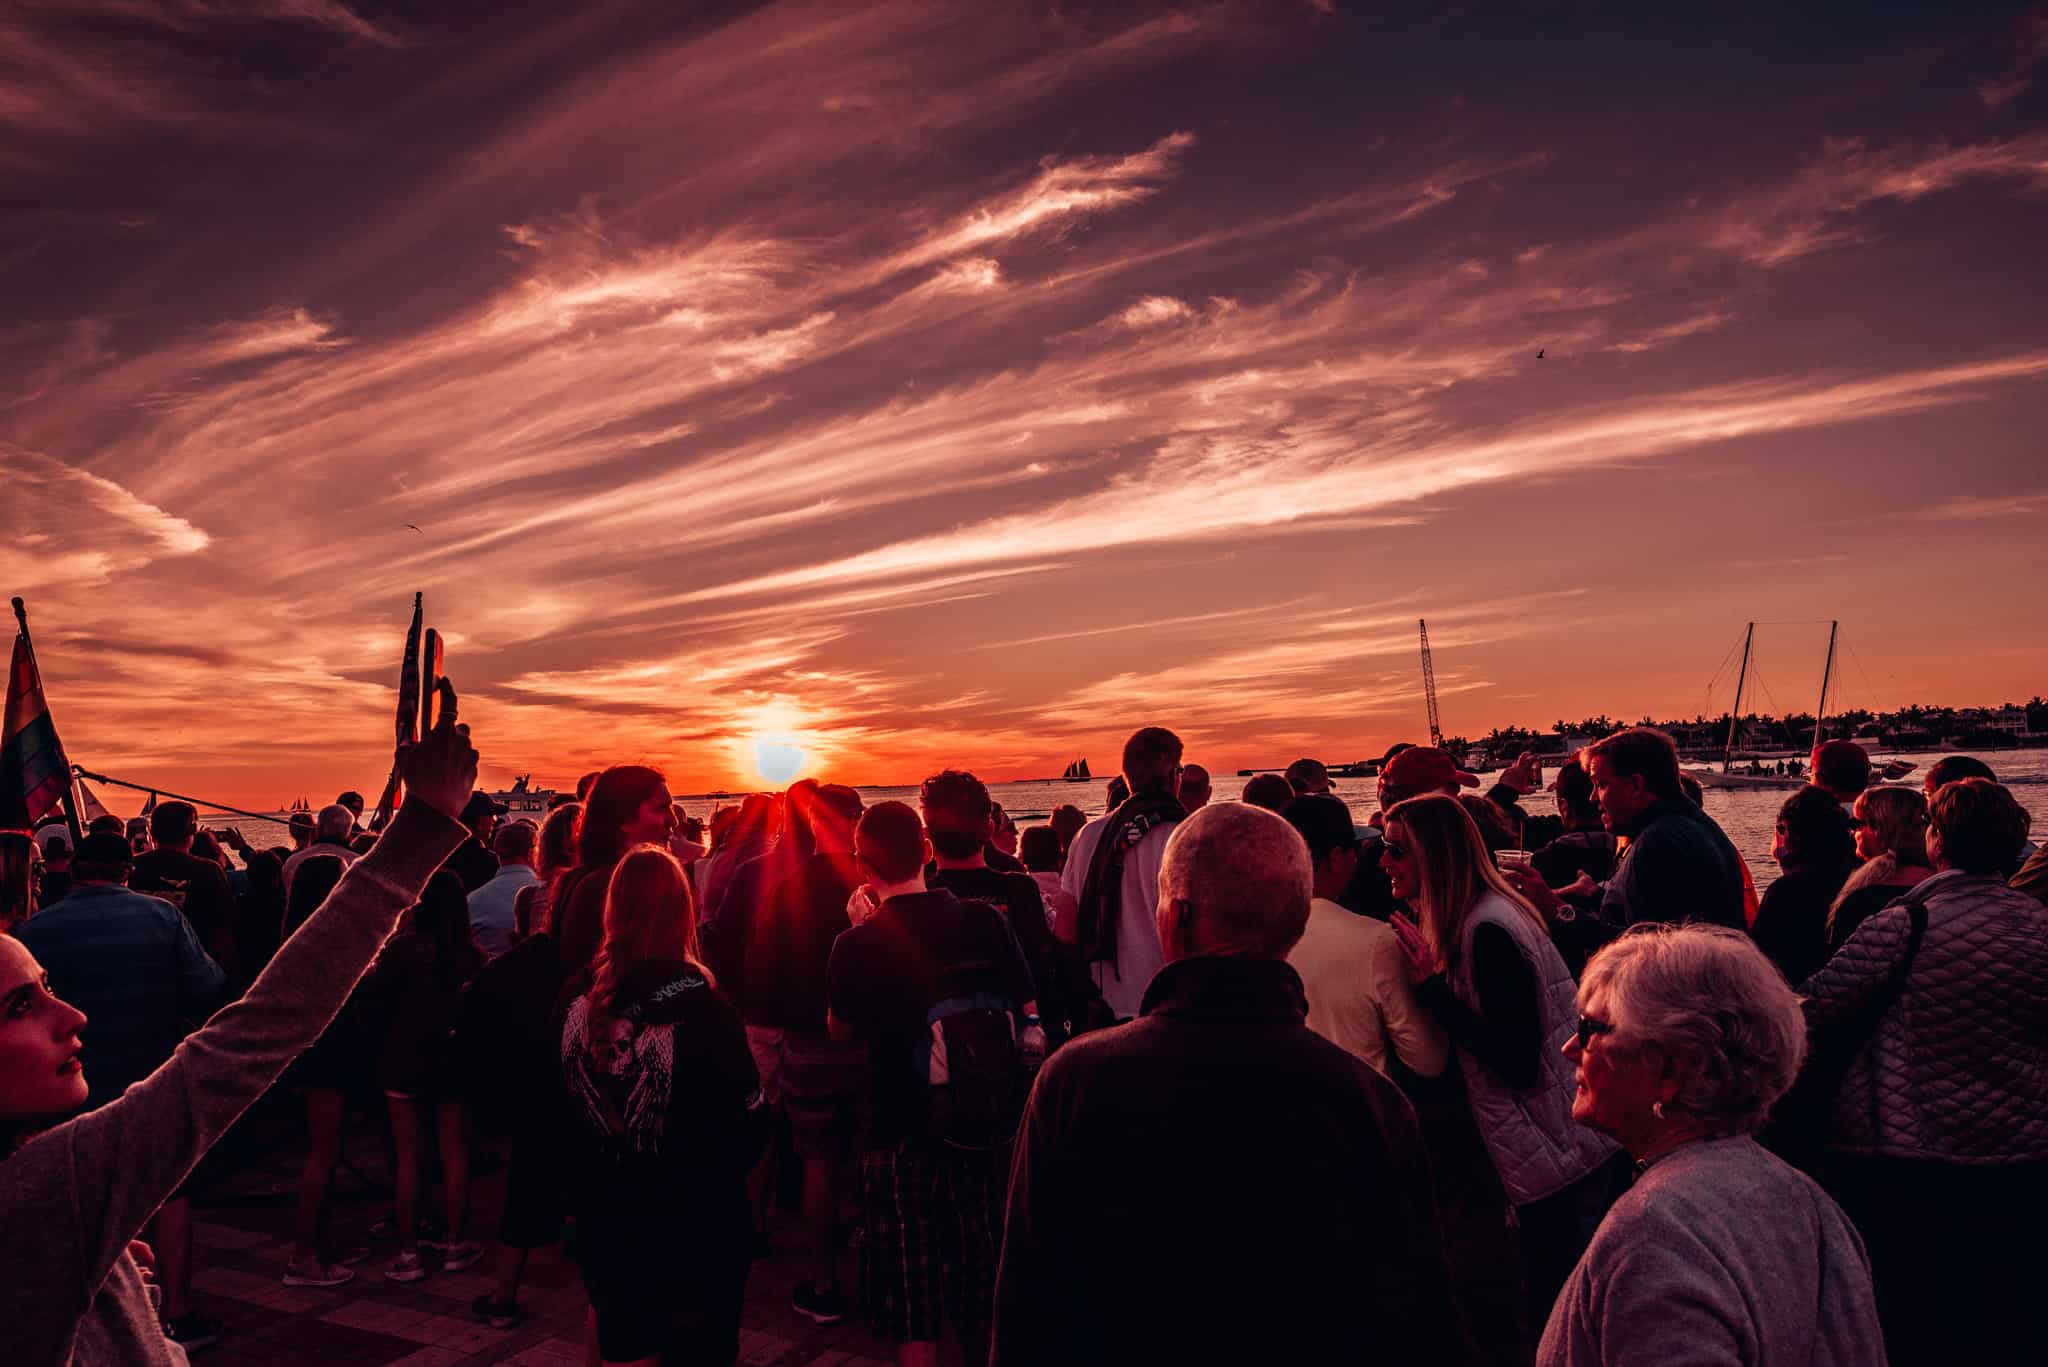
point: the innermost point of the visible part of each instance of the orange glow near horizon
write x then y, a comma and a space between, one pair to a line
847, 392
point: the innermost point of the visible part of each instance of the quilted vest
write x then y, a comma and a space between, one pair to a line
1957, 1071
1536, 1146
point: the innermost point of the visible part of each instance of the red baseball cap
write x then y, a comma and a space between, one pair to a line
1424, 768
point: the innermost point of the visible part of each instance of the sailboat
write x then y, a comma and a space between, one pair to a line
1725, 777
1077, 772
90, 808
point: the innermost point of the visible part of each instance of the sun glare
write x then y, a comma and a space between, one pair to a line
778, 761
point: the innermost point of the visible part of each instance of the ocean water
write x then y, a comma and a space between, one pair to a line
1748, 816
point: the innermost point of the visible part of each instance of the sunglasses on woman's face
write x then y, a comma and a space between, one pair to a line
1588, 1027
1394, 849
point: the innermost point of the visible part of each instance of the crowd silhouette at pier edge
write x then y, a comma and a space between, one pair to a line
1215, 1076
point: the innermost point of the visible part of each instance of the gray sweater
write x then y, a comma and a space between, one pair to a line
1720, 1254
73, 1196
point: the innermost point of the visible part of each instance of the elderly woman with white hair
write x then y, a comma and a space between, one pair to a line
1721, 1252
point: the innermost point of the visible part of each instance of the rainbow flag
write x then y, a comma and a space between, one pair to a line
33, 770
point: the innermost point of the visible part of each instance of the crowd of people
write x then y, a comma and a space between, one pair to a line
1196, 1078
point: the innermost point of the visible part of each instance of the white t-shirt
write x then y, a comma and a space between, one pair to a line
1358, 992
1138, 955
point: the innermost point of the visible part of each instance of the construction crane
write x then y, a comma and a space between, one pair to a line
1436, 731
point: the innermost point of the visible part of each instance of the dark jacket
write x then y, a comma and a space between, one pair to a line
1563, 858
1679, 866
135, 967
579, 913
1792, 920
414, 994
1213, 1182
504, 1042
473, 864
786, 943
663, 1117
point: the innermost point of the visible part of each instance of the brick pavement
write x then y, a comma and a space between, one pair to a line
242, 1233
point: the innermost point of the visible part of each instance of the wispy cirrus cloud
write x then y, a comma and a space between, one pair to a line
897, 380
1815, 210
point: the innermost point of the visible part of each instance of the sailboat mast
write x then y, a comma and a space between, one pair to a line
1735, 709
1827, 674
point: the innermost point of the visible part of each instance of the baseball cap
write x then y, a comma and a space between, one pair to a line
110, 851
481, 805
1425, 768
1324, 822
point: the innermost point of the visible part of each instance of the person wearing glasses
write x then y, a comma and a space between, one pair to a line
1720, 1252
1483, 964
1891, 839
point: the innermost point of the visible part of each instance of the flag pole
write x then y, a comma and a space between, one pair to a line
69, 800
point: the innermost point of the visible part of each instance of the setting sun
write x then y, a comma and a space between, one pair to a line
778, 761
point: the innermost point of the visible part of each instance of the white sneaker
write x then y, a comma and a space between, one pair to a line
406, 1267
459, 1255
313, 1272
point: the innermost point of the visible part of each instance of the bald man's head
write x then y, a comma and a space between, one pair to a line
1235, 881
334, 823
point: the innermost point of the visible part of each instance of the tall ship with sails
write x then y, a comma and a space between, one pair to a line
1077, 772
1728, 776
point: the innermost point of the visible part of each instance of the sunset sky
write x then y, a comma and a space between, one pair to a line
926, 383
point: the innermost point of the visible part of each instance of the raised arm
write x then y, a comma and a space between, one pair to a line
82, 1190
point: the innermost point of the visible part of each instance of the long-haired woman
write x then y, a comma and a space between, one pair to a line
1483, 964
665, 1118
533, 908
1891, 836
418, 981
753, 830
628, 805
74, 1193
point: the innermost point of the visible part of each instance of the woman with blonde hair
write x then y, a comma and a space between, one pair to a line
664, 1120
1891, 838
1720, 1252
1484, 966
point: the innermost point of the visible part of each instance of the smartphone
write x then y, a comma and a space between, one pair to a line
430, 682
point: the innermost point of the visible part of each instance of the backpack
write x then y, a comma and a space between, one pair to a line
970, 1060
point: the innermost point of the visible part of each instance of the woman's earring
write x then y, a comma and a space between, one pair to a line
1657, 1109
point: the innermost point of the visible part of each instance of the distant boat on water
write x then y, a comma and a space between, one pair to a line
1728, 776
1077, 772
522, 799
